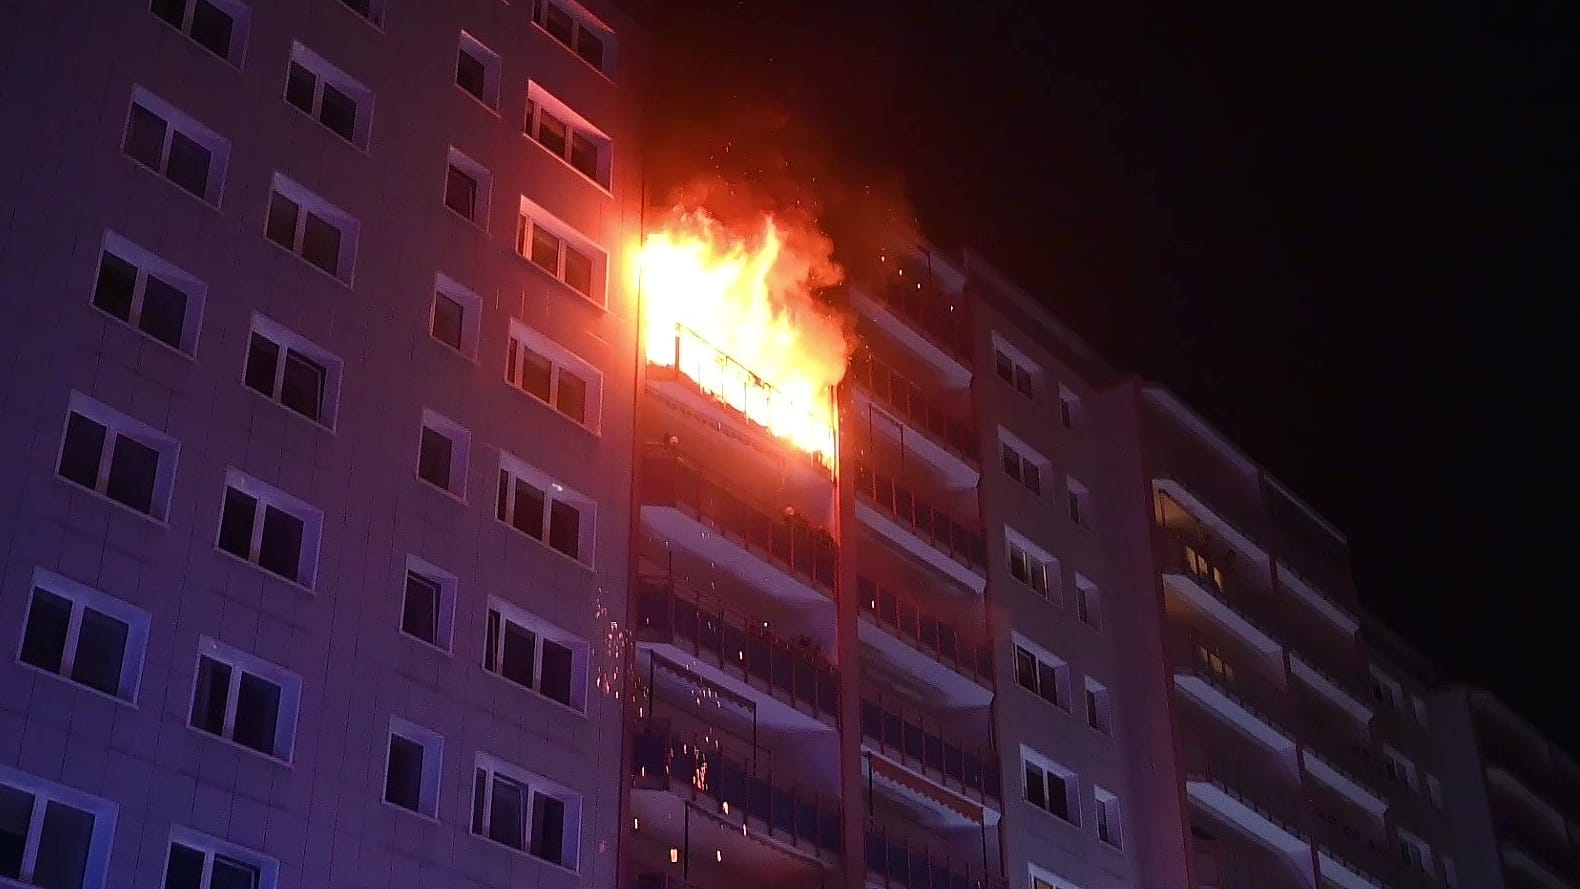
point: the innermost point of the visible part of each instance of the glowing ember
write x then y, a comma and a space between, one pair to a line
735, 314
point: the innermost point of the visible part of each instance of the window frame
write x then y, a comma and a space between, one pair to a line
374, 15
471, 306
460, 439
213, 847
118, 425
327, 74
1044, 662
1078, 504
491, 63
1088, 602
541, 102
1022, 374
1038, 561
286, 342
103, 811
1099, 707
560, 360
517, 470
309, 203
81, 597
1069, 781
446, 585
178, 121
287, 716
432, 769
147, 264
582, 19
241, 27
580, 652
1025, 456
1069, 409
1108, 816
486, 770
266, 495
483, 181
532, 217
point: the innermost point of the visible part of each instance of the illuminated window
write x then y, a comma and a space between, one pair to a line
442, 449
271, 529
1203, 570
81, 634
428, 603
567, 135
577, 30
1042, 674
198, 861
457, 316
1214, 663
148, 293
550, 373
51, 834
467, 188
174, 145
525, 811
477, 70
1050, 786
118, 457
312, 228
411, 767
328, 95
561, 251
219, 26
245, 699
545, 510
289, 369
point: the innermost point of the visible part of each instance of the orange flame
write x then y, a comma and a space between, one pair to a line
735, 314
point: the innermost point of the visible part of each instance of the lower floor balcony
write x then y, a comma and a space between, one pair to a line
894, 862
921, 744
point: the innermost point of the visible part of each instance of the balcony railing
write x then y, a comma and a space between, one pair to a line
788, 542
738, 646
1250, 787
920, 743
932, 525
937, 637
907, 400
906, 864
665, 758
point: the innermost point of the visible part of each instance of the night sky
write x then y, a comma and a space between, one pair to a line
1339, 233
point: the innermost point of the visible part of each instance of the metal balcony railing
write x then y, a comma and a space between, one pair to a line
788, 542
693, 766
932, 525
937, 637
907, 400
906, 864
738, 646
920, 743
1249, 786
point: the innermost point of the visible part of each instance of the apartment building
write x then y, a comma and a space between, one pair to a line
318, 426
1514, 795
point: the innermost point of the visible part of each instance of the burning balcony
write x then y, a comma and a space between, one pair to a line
780, 553
920, 743
793, 686
919, 638
947, 443
900, 863
926, 531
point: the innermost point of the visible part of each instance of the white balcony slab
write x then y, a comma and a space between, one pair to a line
955, 469
1336, 779
1191, 590
955, 374
1248, 722
921, 549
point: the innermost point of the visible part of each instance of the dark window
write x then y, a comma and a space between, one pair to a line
1023, 380
572, 396
447, 319
363, 8
528, 517
545, 250
559, 23
403, 780
321, 243
1065, 414
211, 695
548, 828
63, 847
16, 814
578, 271
116, 287
555, 681
590, 47
1025, 668
211, 27
145, 137
281, 227
1031, 477
100, 652
257, 713
1075, 508
184, 868
471, 74
420, 611
232, 874
1048, 684
1036, 790
433, 458
460, 193
236, 521
506, 814
263, 356
338, 112
281, 548
300, 84
44, 639
164, 311
1003, 367
584, 155
189, 163
552, 132
172, 11
83, 450
565, 529
1058, 797
537, 373
517, 656
133, 468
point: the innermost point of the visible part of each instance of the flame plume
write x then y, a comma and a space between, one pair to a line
734, 311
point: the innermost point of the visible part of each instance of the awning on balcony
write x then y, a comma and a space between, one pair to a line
881, 769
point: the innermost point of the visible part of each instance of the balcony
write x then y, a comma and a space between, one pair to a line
921, 744
928, 324
1188, 505
904, 864
1246, 708
1319, 601
783, 555
921, 641
1331, 772
1343, 695
1243, 797
1344, 873
672, 765
928, 533
794, 689
943, 441
1202, 586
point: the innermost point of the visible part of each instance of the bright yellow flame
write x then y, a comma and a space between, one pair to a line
733, 313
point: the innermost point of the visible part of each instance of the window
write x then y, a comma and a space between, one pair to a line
1079, 504
1398, 768
91, 638
269, 528
1109, 828
118, 457
457, 316
176, 146
467, 187
534, 654
1418, 709
219, 26
1386, 691
1097, 707
577, 30
567, 135
1069, 408
477, 70
148, 293
553, 246
1019, 466
1031, 566
198, 861
552, 374
411, 769
1042, 674
428, 604
1050, 786
285, 367
1013, 367
1086, 602
442, 450
1434, 791
1214, 663
52, 835
312, 228
1201, 569
328, 95
525, 811
245, 699
1415, 853
544, 509
372, 10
